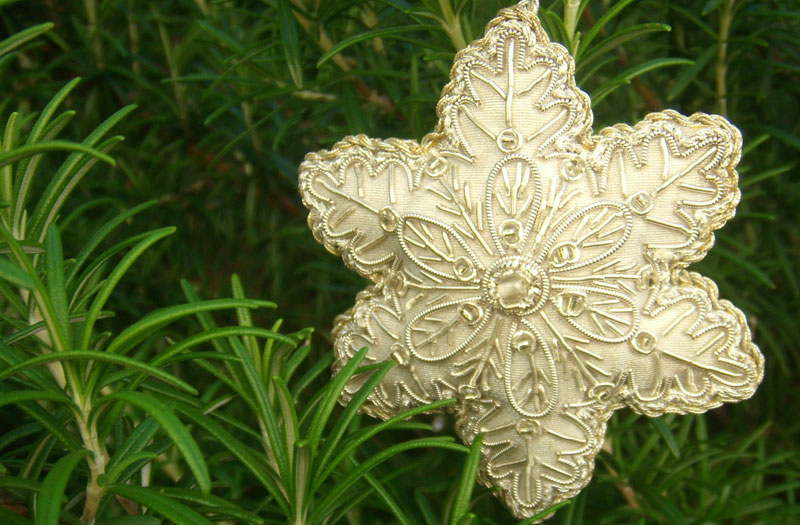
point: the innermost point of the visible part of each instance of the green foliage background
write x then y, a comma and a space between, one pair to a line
230, 96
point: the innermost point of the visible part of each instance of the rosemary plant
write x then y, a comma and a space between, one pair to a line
139, 384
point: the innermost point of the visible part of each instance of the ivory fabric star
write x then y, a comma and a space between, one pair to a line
531, 270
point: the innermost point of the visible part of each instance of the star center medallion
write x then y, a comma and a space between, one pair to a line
516, 286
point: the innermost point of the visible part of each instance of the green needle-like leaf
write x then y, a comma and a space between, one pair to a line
329, 401
164, 316
343, 421
368, 35
113, 279
54, 194
103, 357
14, 274
20, 396
332, 498
629, 74
357, 439
54, 257
249, 457
171, 509
136, 441
601, 23
263, 405
29, 150
40, 295
18, 39
291, 42
211, 503
618, 39
101, 234
687, 75
174, 429
545, 513
467, 481
664, 431
48, 505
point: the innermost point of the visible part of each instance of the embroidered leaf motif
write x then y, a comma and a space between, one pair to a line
513, 195
444, 330
693, 351
600, 314
678, 177
437, 249
513, 91
530, 380
356, 193
532, 457
586, 237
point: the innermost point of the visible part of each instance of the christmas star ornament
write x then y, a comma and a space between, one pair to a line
531, 270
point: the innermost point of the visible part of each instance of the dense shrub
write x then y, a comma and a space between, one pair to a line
130, 381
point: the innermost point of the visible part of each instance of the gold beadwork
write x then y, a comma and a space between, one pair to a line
532, 270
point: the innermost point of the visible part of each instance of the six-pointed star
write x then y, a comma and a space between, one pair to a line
533, 271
